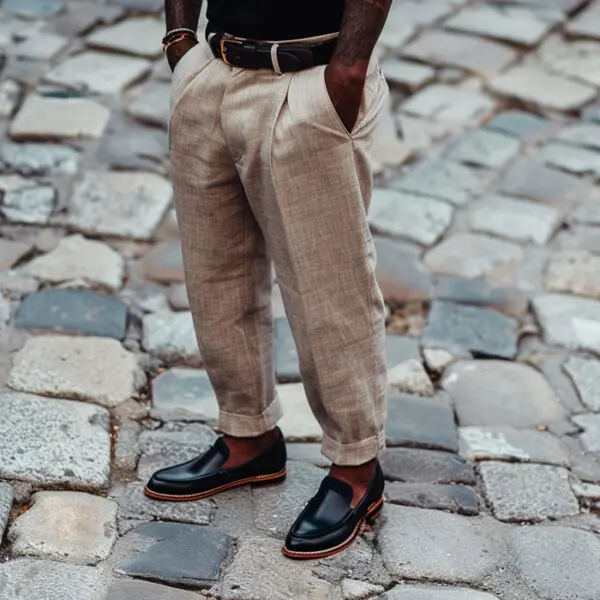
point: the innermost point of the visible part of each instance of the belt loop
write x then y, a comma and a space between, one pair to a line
275, 59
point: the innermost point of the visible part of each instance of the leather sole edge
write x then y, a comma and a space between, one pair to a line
256, 480
372, 514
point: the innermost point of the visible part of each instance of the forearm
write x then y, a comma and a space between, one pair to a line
182, 13
361, 26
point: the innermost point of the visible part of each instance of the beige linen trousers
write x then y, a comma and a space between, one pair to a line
264, 172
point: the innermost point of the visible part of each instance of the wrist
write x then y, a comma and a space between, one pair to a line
356, 73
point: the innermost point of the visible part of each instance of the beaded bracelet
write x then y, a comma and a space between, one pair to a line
173, 32
178, 38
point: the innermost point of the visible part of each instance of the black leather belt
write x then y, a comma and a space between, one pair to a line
249, 54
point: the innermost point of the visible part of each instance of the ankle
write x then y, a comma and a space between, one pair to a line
243, 449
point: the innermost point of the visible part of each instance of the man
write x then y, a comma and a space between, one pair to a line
272, 118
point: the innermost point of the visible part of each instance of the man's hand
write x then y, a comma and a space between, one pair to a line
346, 73
345, 87
177, 51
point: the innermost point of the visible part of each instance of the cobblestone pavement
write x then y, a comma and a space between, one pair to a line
487, 224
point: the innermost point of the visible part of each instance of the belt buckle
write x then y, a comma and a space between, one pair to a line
223, 44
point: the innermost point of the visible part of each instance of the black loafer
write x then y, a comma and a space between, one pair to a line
328, 524
204, 476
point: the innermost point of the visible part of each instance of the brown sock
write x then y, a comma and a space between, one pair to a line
359, 478
241, 450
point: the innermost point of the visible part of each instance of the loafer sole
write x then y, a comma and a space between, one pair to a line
257, 480
368, 520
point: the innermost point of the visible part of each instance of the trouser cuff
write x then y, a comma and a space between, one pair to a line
354, 454
238, 425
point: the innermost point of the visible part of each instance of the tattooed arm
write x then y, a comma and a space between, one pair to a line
181, 13
346, 73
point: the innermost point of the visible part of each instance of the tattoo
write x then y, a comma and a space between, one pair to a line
182, 13
361, 26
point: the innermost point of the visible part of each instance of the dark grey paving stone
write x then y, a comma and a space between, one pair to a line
453, 498
74, 311
6, 500
38, 159
558, 562
185, 555
287, 366
400, 348
528, 492
182, 394
426, 466
142, 590
498, 393
400, 272
484, 333
479, 293
430, 545
419, 422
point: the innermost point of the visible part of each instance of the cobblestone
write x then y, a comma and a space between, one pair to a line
195, 552
508, 443
443, 48
518, 220
566, 320
426, 466
415, 218
444, 180
32, 579
516, 395
66, 526
528, 492
74, 311
471, 255
519, 25
533, 84
421, 545
470, 329
120, 204
78, 258
93, 369
74, 434
484, 148
557, 562
453, 498
60, 118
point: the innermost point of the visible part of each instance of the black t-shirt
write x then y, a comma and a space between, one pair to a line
276, 19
